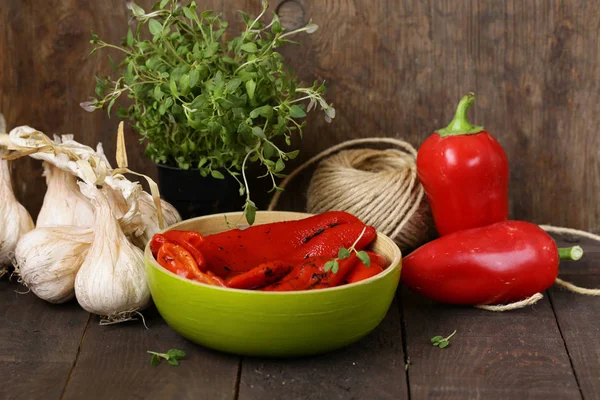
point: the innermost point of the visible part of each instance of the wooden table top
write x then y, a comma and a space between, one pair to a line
548, 351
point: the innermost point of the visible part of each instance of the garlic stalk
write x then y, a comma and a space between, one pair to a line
47, 260
92, 166
63, 203
111, 282
15, 221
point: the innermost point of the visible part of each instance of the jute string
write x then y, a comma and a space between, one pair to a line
567, 285
378, 186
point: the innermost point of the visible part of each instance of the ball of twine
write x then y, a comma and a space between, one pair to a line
380, 187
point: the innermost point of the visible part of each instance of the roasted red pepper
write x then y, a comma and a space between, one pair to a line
261, 276
235, 251
191, 241
500, 263
362, 272
311, 274
464, 172
156, 243
178, 260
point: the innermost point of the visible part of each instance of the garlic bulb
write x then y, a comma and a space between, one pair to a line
63, 203
48, 260
111, 281
147, 209
15, 221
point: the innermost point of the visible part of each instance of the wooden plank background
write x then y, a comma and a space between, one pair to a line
394, 68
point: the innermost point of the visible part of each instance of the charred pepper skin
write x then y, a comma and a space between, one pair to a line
260, 276
236, 251
500, 263
311, 275
464, 172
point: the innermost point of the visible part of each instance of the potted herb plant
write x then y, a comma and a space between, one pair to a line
208, 107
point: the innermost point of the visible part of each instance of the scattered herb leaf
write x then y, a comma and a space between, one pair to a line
171, 356
442, 342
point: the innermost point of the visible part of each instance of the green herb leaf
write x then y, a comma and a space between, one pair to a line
163, 3
155, 27
343, 254
279, 165
129, 38
250, 88
442, 342
173, 361
194, 76
328, 265
233, 84
216, 174
155, 360
257, 131
293, 154
250, 212
264, 111
364, 258
297, 112
189, 13
336, 267
249, 47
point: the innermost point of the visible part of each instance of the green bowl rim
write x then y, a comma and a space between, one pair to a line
149, 258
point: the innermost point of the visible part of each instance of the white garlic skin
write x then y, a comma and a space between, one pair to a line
48, 259
112, 279
63, 203
15, 221
149, 215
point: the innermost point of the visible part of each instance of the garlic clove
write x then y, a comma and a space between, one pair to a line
15, 221
147, 209
48, 258
111, 281
63, 203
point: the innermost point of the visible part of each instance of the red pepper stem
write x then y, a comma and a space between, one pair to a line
460, 125
570, 253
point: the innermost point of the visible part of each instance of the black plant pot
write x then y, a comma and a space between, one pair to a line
195, 196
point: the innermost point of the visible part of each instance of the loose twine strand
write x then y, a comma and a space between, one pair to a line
381, 188
378, 186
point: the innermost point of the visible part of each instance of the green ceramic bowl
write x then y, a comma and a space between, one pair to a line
272, 324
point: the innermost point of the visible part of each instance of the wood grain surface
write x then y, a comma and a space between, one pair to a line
394, 68
546, 351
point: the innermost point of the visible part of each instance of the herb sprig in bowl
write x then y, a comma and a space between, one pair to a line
201, 101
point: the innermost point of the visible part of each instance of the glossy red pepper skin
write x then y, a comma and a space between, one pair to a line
499, 263
464, 172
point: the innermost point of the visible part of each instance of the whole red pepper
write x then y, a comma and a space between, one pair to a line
500, 263
464, 172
